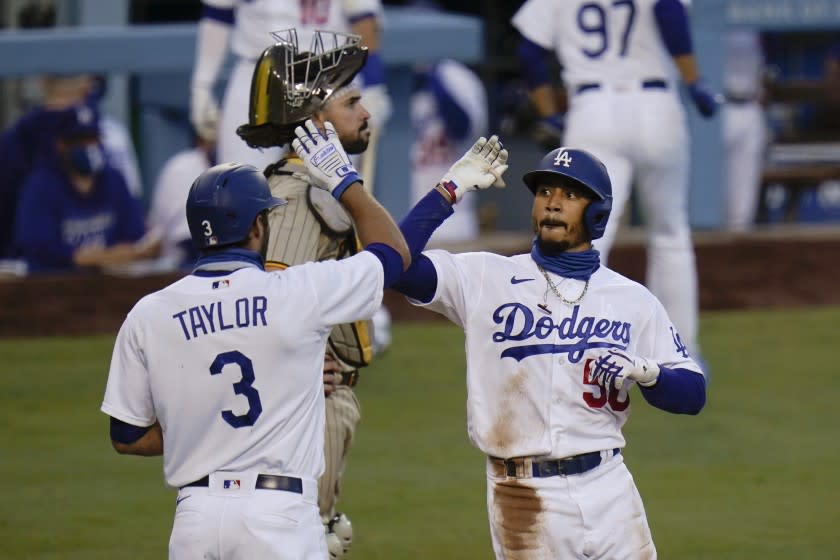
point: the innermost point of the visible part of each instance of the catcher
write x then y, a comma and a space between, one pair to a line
287, 88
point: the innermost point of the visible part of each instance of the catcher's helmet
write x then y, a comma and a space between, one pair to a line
223, 202
584, 169
289, 86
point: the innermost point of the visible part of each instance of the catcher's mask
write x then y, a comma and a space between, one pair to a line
223, 202
289, 86
584, 169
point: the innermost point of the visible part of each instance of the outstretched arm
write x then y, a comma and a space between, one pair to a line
330, 169
214, 30
481, 167
672, 21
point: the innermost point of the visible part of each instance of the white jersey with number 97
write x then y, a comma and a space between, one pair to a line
597, 41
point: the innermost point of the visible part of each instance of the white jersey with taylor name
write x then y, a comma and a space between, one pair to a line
256, 19
599, 41
529, 391
231, 365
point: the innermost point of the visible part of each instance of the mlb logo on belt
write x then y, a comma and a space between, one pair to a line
232, 484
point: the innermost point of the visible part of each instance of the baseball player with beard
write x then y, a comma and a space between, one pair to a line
288, 87
246, 26
555, 342
221, 372
622, 60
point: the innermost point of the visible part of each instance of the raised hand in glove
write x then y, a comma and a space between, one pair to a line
479, 168
323, 155
549, 131
614, 366
707, 103
204, 113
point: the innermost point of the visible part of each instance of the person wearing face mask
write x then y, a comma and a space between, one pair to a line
75, 210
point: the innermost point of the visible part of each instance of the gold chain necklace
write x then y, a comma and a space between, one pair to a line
557, 293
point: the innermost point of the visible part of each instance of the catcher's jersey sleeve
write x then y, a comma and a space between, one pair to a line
294, 230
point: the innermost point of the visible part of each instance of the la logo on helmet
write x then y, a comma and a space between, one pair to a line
564, 158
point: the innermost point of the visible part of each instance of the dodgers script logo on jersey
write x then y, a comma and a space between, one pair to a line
519, 325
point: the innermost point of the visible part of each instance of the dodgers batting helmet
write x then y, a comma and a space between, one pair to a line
289, 86
223, 202
583, 169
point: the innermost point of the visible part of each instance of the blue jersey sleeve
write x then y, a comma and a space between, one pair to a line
680, 391
672, 20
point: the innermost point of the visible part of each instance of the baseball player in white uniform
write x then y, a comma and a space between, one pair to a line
247, 26
621, 60
745, 129
288, 87
221, 372
555, 342
448, 111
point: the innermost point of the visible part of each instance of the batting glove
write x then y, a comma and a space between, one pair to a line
614, 367
204, 113
706, 101
549, 132
378, 103
323, 155
481, 167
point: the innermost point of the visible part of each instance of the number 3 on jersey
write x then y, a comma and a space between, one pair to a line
599, 19
245, 386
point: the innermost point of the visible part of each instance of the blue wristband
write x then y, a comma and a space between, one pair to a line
345, 184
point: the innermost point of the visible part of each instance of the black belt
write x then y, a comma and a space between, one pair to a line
349, 378
264, 482
576, 464
646, 84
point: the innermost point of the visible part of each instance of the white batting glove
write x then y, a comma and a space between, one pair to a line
378, 103
481, 167
614, 366
204, 113
323, 155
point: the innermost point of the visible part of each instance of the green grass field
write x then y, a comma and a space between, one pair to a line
754, 476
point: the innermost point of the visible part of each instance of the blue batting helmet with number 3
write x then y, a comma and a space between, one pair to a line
584, 169
223, 202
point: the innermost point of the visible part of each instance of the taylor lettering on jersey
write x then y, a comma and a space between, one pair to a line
208, 319
585, 332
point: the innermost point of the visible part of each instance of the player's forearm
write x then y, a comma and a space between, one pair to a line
211, 49
687, 66
679, 391
373, 223
544, 100
149, 444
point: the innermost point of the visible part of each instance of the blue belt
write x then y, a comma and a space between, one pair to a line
647, 84
264, 482
576, 464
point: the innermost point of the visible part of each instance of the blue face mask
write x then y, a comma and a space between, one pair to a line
86, 160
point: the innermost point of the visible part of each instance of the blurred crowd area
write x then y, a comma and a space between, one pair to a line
797, 90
